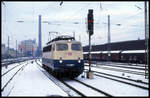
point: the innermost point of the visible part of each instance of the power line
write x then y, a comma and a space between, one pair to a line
138, 7
132, 16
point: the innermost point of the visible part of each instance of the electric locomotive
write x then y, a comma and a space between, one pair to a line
63, 56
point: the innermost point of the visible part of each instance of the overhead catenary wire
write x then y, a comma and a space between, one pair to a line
74, 14
77, 13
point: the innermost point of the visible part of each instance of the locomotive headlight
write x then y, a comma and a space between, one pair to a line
60, 60
79, 60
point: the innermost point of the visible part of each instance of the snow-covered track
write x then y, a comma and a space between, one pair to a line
142, 87
10, 70
9, 80
61, 81
81, 89
121, 70
117, 63
63, 86
138, 81
125, 67
98, 90
130, 64
77, 91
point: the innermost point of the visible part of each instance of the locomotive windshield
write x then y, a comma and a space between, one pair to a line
61, 47
76, 47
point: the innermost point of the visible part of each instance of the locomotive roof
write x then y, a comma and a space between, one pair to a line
64, 41
63, 37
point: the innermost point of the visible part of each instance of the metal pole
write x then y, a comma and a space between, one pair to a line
40, 38
8, 52
8, 46
32, 50
146, 42
108, 45
90, 31
49, 37
25, 48
74, 34
147, 30
89, 52
16, 48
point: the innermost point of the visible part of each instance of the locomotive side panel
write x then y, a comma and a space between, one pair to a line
47, 57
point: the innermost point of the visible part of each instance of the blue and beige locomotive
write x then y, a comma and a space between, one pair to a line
63, 56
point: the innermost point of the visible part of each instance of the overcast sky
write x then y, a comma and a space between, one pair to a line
62, 19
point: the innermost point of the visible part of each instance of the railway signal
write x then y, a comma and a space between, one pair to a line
90, 22
90, 31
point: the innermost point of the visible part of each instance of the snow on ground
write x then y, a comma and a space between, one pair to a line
113, 87
127, 66
117, 73
6, 78
111, 66
4, 69
126, 90
84, 89
32, 82
9, 75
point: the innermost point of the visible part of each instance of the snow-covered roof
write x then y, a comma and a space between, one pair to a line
98, 52
134, 51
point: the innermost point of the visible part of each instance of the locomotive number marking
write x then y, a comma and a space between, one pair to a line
70, 64
69, 53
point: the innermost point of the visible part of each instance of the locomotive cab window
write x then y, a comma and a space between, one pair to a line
47, 48
76, 47
61, 47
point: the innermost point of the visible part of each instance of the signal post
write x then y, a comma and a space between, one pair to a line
90, 31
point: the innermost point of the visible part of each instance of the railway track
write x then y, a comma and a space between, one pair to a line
124, 67
4, 63
136, 81
131, 80
63, 84
90, 89
116, 63
78, 92
130, 64
12, 76
120, 70
98, 90
121, 66
10, 70
139, 84
135, 85
67, 89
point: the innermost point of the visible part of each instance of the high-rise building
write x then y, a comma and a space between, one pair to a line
28, 47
